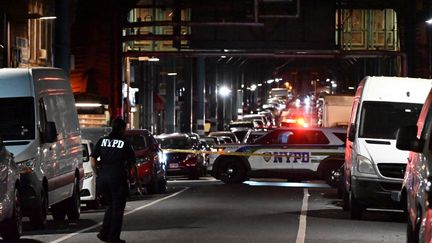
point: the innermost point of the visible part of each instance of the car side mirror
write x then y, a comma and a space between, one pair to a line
352, 132
50, 133
406, 139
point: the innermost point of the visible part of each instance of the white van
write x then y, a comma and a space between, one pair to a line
374, 168
39, 125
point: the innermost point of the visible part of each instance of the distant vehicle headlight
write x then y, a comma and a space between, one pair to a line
364, 165
162, 157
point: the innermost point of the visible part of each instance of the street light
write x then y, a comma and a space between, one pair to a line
224, 91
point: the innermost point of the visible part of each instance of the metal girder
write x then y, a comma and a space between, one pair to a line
190, 23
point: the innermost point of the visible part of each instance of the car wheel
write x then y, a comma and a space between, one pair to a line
58, 211
356, 209
232, 172
38, 216
345, 199
12, 228
153, 187
332, 175
163, 187
73, 209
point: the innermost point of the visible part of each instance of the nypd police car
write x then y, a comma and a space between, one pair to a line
290, 153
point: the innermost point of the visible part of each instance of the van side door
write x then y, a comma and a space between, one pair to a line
45, 149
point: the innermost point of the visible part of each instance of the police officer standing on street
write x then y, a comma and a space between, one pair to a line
111, 160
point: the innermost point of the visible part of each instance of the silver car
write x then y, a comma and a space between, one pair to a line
10, 207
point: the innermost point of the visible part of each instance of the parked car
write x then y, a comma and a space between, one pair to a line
151, 168
240, 133
252, 135
10, 198
374, 167
212, 141
190, 164
89, 194
225, 134
243, 124
416, 191
288, 153
259, 117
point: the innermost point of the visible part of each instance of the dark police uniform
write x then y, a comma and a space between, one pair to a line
116, 158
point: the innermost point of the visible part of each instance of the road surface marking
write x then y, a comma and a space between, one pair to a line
130, 212
301, 234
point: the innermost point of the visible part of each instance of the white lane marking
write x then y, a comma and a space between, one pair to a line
132, 211
301, 234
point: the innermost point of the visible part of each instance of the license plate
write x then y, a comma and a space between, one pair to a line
173, 165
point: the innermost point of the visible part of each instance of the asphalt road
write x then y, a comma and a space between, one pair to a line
207, 211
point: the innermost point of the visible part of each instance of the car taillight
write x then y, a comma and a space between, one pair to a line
190, 160
220, 150
302, 122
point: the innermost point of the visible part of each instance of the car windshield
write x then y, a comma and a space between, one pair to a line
210, 141
382, 119
17, 120
176, 143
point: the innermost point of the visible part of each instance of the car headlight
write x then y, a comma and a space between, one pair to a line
27, 166
364, 165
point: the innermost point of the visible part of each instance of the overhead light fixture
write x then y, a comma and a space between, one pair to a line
172, 74
429, 21
47, 17
253, 87
89, 105
225, 50
259, 85
351, 88
271, 81
223, 56
224, 91
153, 59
